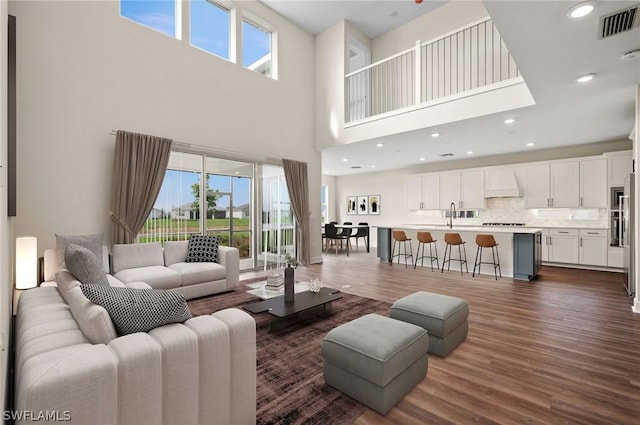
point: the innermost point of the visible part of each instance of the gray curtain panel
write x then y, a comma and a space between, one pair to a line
139, 165
295, 173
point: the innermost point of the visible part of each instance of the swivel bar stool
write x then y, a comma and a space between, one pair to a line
399, 236
424, 238
487, 241
453, 239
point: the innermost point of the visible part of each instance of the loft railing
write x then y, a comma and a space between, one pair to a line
464, 60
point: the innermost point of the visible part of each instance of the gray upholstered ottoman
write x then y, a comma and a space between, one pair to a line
443, 316
375, 360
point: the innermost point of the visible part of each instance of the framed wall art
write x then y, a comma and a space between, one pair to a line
352, 205
363, 205
374, 204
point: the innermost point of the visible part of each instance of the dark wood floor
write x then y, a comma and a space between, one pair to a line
563, 349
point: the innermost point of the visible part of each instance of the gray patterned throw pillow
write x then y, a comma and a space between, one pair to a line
138, 310
202, 248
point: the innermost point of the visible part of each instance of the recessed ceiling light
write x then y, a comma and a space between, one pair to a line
585, 78
373, 166
530, 144
237, 172
580, 10
633, 54
509, 121
435, 134
469, 152
379, 145
344, 160
422, 158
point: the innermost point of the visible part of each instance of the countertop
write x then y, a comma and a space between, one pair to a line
463, 228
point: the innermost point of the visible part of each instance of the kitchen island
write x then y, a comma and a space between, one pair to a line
519, 247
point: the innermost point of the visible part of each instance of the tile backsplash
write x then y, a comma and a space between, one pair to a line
512, 210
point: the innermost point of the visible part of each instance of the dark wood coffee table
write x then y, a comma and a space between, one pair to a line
303, 301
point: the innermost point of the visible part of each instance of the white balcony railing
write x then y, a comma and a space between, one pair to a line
472, 57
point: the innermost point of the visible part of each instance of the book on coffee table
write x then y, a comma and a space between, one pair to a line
275, 281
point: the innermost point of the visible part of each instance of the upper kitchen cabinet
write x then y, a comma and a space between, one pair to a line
465, 189
555, 185
422, 192
620, 166
565, 185
537, 187
593, 183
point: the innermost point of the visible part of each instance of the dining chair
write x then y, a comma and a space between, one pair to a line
361, 232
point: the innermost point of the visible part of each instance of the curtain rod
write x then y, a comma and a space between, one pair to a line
224, 153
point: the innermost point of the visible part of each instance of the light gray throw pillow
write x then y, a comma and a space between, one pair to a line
139, 310
84, 265
92, 242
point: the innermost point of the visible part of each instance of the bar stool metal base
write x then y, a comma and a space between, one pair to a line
454, 239
431, 257
496, 265
400, 236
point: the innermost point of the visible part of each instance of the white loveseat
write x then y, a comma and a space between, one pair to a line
162, 268
202, 371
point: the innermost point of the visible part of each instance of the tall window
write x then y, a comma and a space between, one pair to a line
210, 28
256, 47
160, 15
324, 205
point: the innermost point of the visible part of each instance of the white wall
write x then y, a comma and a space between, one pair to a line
329, 85
428, 26
84, 71
6, 275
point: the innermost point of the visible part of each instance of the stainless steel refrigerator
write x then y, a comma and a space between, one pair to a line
627, 231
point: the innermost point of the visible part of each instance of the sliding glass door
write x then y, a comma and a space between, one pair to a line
247, 204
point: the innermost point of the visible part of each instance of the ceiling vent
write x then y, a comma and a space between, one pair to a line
444, 155
618, 22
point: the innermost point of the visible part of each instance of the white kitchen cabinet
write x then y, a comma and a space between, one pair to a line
593, 183
593, 247
553, 185
422, 192
619, 165
565, 185
465, 189
564, 246
545, 245
537, 186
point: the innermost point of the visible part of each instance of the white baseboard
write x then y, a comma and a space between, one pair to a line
316, 260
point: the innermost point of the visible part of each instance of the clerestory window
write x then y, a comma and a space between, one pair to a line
211, 28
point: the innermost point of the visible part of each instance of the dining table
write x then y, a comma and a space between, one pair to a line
355, 226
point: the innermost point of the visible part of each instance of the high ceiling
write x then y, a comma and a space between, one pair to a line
550, 50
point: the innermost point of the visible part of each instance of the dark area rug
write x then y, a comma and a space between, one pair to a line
290, 385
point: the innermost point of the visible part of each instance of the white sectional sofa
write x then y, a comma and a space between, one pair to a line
202, 371
162, 268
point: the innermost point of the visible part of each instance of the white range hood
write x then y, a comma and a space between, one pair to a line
502, 184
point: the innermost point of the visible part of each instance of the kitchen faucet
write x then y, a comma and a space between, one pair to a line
452, 212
